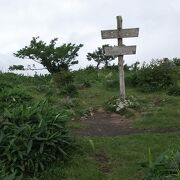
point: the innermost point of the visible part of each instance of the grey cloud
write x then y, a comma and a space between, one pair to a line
80, 21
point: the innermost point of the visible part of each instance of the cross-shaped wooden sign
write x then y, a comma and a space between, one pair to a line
120, 50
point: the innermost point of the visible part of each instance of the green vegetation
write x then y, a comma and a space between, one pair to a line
113, 158
16, 67
51, 57
174, 90
158, 75
167, 166
163, 111
31, 138
99, 57
38, 113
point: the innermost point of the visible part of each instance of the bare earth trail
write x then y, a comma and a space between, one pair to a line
102, 123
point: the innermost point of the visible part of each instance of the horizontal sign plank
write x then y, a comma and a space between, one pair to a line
124, 33
119, 50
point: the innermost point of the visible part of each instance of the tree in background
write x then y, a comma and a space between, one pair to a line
135, 66
16, 67
176, 61
99, 57
53, 58
22, 68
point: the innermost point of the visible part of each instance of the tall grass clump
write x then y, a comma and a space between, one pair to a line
31, 138
13, 97
166, 166
174, 91
64, 81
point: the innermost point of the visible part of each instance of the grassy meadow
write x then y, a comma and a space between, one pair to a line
126, 157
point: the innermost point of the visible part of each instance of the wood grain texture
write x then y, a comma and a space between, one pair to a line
122, 33
122, 92
120, 50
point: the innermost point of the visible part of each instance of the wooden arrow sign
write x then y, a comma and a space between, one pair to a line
119, 50
123, 33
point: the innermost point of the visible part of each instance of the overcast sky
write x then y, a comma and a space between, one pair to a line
80, 21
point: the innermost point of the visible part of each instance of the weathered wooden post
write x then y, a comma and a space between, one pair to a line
120, 50
121, 63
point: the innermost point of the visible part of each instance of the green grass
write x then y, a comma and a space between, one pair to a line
95, 96
158, 109
76, 125
125, 157
162, 112
124, 154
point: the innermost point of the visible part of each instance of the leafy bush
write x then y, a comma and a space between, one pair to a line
110, 105
114, 67
13, 97
176, 61
91, 68
84, 84
158, 75
18, 79
167, 166
84, 75
63, 78
5, 86
31, 138
116, 105
64, 81
69, 90
8, 176
174, 90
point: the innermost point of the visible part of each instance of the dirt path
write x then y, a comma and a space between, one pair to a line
102, 123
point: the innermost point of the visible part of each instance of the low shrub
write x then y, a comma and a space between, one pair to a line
158, 75
174, 91
14, 97
125, 108
69, 90
5, 86
85, 75
10, 77
176, 61
90, 68
8, 176
63, 78
166, 166
84, 84
110, 105
114, 67
31, 138
64, 81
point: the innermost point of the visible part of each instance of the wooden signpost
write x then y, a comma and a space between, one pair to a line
120, 50
123, 33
